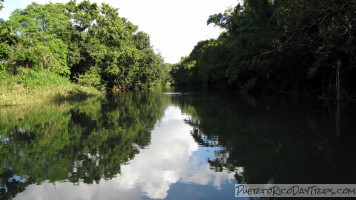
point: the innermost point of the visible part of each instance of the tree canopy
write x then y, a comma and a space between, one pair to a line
301, 47
89, 43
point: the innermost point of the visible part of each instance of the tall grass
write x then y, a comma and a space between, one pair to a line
29, 86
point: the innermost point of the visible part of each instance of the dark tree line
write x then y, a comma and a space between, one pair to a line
89, 43
280, 46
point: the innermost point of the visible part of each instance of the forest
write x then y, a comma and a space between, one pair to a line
82, 42
293, 47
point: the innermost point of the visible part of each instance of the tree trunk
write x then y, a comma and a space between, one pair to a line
338, 80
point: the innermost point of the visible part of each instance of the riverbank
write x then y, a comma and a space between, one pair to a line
30, 86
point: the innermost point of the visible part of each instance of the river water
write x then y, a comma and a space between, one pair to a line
169, 144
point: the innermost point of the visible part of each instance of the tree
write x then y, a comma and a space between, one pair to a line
299, 47
40, 31
89, 43
110, 47
1, 6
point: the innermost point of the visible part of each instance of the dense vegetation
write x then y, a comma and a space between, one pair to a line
84, 42
281, 46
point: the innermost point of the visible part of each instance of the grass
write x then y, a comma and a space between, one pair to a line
28, 87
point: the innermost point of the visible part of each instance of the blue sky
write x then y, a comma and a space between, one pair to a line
175, 26
9, 6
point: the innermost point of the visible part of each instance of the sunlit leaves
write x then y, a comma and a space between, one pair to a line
111, 44
78, 39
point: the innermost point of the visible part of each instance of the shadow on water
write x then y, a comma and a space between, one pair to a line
259, 140
275, 141
75, 141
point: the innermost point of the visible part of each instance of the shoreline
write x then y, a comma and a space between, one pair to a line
21, 95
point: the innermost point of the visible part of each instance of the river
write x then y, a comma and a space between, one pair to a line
170, 144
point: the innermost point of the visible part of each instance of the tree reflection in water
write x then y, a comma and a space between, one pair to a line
77, 142
204, 140
271, 140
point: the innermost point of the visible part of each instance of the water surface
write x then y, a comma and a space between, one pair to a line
165, 144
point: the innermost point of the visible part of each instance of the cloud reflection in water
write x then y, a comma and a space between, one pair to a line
172, 157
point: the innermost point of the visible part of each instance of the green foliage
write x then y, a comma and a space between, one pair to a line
83, 41
31, 79
110, 46
90, 78
203, 66
31, 86
277, 46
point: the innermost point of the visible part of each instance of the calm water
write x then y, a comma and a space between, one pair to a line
165, 144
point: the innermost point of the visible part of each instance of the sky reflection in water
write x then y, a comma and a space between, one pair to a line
173, 161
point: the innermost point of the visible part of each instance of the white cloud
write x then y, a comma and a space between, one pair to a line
174, 26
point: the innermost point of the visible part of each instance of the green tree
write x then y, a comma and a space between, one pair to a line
299, 47
41, 31
110, 48
89, 43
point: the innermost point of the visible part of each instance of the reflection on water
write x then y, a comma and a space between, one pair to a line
169, 145
276, 141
